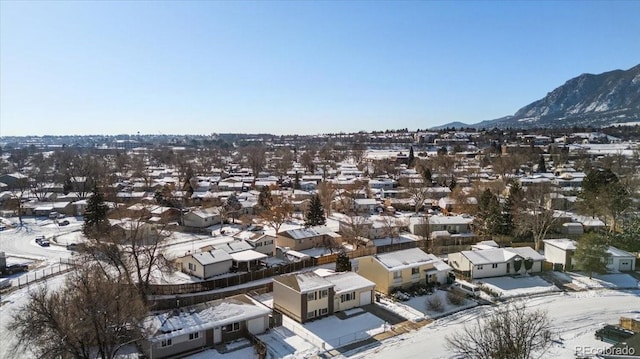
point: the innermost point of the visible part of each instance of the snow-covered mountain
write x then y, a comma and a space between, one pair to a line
587, 100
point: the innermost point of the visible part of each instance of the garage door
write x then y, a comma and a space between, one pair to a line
365, 298
625, 265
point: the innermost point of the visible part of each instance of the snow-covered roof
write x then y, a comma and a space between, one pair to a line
615, 252
488, 256
304, 282
204, 316
302, 233
444, 220
211, 257
348, 281
562, 243
526, 252
403, 259
248, 255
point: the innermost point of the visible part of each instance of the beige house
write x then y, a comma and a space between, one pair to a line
205, 265
306, 238
305, 296
260, 242
202, 218
401, 269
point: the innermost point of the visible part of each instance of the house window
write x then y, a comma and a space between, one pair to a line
311, 296
609, 260
192, 267
397, 275
347, 297
324, 311
165, 342
324, 293
193, 336
415, 271
233, 327
311, 314
479, 267
494, 265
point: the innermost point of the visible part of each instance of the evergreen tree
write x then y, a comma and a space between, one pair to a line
343, 264
264, 198
232, 206
96, 223
428, 177
412, 157
591, 254
489, 213
315, 214
542, 166
517, 264
296, 181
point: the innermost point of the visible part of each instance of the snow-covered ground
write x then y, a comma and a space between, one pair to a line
575, 317
419, 304
598, 281
509, 287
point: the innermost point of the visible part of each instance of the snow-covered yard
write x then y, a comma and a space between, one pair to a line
598, 281
575, 317
510, 287
416, 308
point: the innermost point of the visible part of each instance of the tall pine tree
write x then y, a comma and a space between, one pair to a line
96, 223
412, 157
315, 214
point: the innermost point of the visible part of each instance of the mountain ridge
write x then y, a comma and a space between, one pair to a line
596, 100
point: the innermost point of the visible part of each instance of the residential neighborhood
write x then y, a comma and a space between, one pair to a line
236, 250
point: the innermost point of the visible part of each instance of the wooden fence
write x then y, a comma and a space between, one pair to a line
230, 280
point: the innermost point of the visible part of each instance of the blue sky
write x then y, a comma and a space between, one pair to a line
287, 67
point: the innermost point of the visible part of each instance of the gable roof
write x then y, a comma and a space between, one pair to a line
488, 256
562, 243
211, 257
203, 316
302, 233
348, 281
303, 282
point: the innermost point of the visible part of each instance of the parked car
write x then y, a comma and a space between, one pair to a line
43, 242
469, 289
63, 223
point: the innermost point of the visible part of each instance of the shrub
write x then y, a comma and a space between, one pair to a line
435, 304
454, 298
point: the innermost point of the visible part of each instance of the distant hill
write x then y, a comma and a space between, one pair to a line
587, 100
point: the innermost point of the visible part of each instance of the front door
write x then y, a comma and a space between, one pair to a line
508, 268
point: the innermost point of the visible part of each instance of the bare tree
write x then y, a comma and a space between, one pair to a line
255, 158
92, 314
278, 214
133, 247
530, 214
326, 192
417, 191
508, 332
